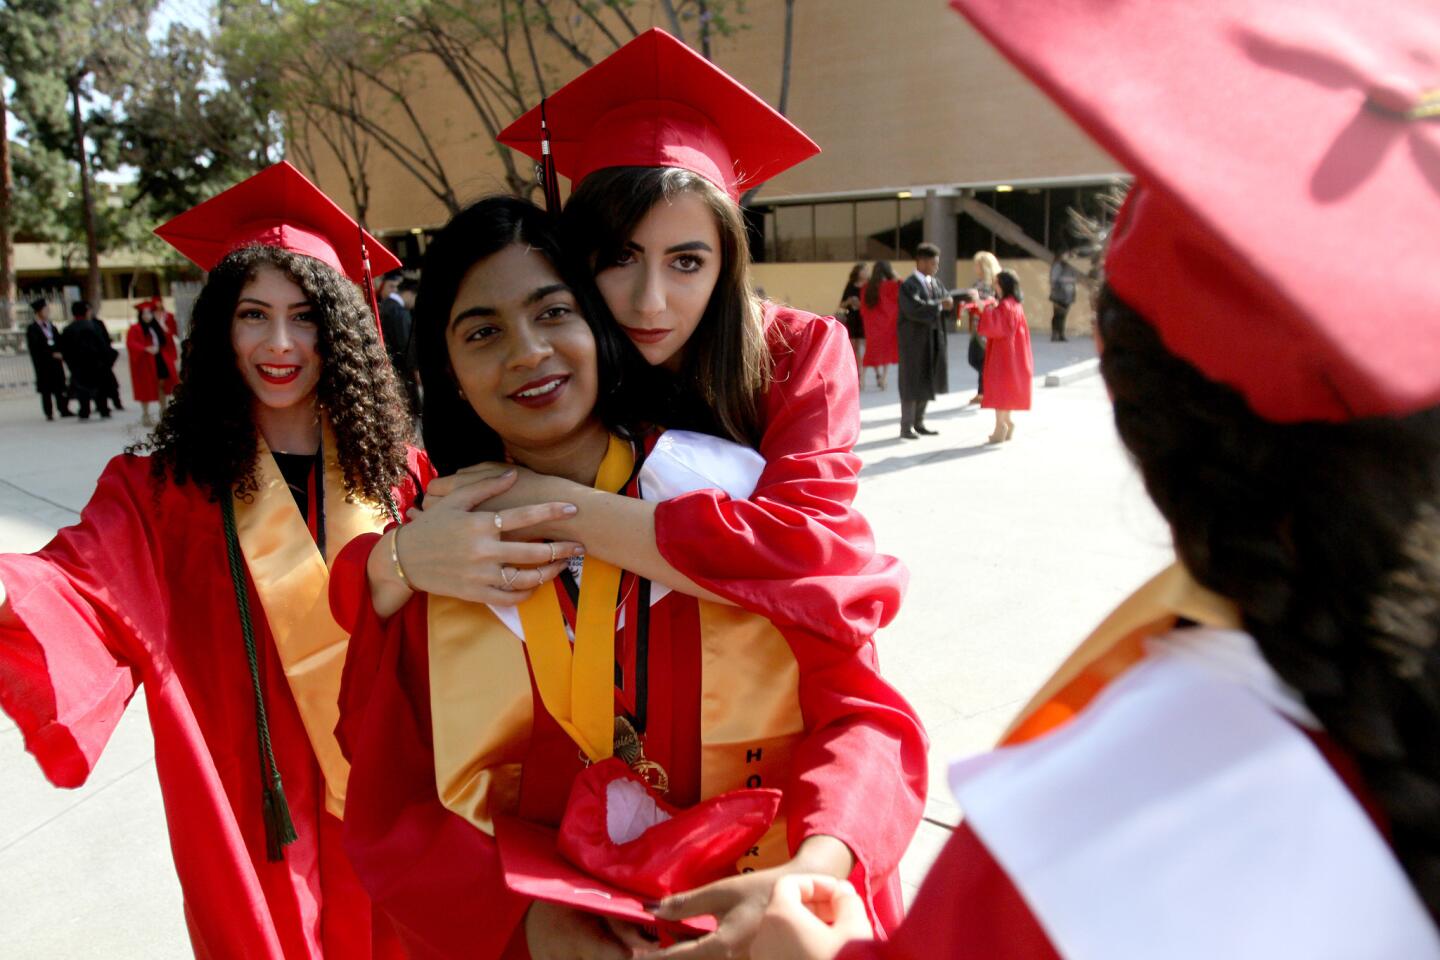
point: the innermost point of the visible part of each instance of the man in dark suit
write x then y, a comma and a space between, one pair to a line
42, 340
924, 307
109, 385
397, 298
88, 354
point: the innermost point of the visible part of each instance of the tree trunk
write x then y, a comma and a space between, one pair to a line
7, 248
785, 57
93, 289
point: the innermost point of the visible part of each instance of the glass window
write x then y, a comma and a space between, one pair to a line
795, 233
835, 231
912, 226
875, 227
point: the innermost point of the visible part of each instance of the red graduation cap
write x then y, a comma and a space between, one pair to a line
277, 207
1283, 234
657, 103
619, 842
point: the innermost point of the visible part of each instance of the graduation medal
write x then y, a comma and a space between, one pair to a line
630, 748
577, 685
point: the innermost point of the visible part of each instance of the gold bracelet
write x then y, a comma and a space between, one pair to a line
395, 559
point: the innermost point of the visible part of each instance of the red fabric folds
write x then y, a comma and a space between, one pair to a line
795, 552
139, 591
712, 834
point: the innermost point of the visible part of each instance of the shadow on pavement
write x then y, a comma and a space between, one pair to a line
892, 464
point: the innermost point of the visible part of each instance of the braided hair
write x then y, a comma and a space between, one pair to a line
1327, 536
207, 435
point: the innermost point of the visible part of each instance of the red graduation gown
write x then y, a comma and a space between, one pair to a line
143, 380
139, 591
1009, 368
882, 345
858, 773
790, 551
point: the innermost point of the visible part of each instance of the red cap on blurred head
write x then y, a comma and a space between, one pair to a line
277, 207
1284, 232
657, 103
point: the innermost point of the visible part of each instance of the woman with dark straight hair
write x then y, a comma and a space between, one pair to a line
658, 167
849, 313
1009, 367
1240, 762
458, 715
880, 310
200, 569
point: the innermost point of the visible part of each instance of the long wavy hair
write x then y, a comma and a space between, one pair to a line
879, 273
207, 435
728, 363
455, 436
1327, 536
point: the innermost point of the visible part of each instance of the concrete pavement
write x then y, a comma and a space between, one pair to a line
1015, 552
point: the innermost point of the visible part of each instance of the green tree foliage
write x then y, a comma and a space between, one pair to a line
61, 54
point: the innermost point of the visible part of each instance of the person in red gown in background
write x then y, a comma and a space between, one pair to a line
439, 716
151, 349
199, 568
1239, 762
654, 210
1009, 367
880, 310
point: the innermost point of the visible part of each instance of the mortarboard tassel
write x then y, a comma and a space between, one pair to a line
370, 285
279, 829
549, 180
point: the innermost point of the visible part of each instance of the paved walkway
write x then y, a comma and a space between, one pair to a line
1015, 553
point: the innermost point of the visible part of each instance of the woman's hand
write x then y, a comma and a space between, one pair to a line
810, 917
738, 903
555, 932
527, 489
452, 549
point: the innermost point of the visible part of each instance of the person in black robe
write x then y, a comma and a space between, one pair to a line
924, 305
88, 354
42, 340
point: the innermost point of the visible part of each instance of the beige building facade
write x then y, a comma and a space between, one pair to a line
916, 117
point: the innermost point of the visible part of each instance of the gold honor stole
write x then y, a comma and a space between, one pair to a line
481, 706
1117, 645
292, 581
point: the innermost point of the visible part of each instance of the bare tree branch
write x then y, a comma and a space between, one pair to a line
670, 11
618, 7
530, 46
564, 41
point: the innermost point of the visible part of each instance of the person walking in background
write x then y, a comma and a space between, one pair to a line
921, 336
106, 382
987, 267
879, 311
152, 359
1009, 368
87, 354
42, 340
1062, 295
397, 325
849, 314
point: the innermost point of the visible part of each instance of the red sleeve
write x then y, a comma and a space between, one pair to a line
82, 604
967, 909
860, 774
796, 552
998, 320
435, 877
135, 340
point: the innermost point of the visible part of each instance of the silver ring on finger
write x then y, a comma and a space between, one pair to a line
552, 551
508, 574
499, 523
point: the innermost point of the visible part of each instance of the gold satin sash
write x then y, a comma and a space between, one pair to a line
1118, 644
577, 685
292, 581
481, 706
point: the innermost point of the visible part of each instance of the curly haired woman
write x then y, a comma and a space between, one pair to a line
199, 569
